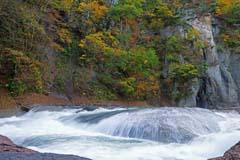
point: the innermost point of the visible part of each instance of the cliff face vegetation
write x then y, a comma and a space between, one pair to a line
105, 49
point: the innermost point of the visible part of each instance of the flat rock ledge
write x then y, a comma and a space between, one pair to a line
11, 151
231, 154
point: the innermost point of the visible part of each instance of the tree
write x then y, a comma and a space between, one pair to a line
126, 10
229, 10
98, 45
20, 72
91, 13
157, 14
20, 28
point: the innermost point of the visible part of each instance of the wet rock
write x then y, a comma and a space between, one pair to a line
231, 154
10, 151
6, 145
25, 109
5, 141
88, 108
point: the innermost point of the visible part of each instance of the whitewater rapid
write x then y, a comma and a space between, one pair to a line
126, 134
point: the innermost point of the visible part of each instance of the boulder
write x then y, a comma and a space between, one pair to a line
6, 145
231, 154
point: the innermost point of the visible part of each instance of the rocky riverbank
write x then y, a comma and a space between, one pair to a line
10, 151
10, 106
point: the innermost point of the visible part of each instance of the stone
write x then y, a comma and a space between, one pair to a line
6, 145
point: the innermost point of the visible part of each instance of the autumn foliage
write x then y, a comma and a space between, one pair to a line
133, 49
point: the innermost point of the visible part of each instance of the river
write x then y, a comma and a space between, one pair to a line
126, 134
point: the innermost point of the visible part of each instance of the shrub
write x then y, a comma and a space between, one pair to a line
64, 36
229, 10
128, 86
183, 72
20, 72
16, 87
102, 92
231, 39
174, 45
59, 84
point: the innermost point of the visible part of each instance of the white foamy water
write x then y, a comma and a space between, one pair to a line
121, 134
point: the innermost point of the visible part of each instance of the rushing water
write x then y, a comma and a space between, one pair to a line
126, 134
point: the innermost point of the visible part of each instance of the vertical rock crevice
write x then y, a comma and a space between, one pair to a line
219, 87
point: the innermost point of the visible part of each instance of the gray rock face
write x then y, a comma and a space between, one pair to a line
191, 100
221, 86
234, 69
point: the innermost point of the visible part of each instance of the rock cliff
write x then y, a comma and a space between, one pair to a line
220, 87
